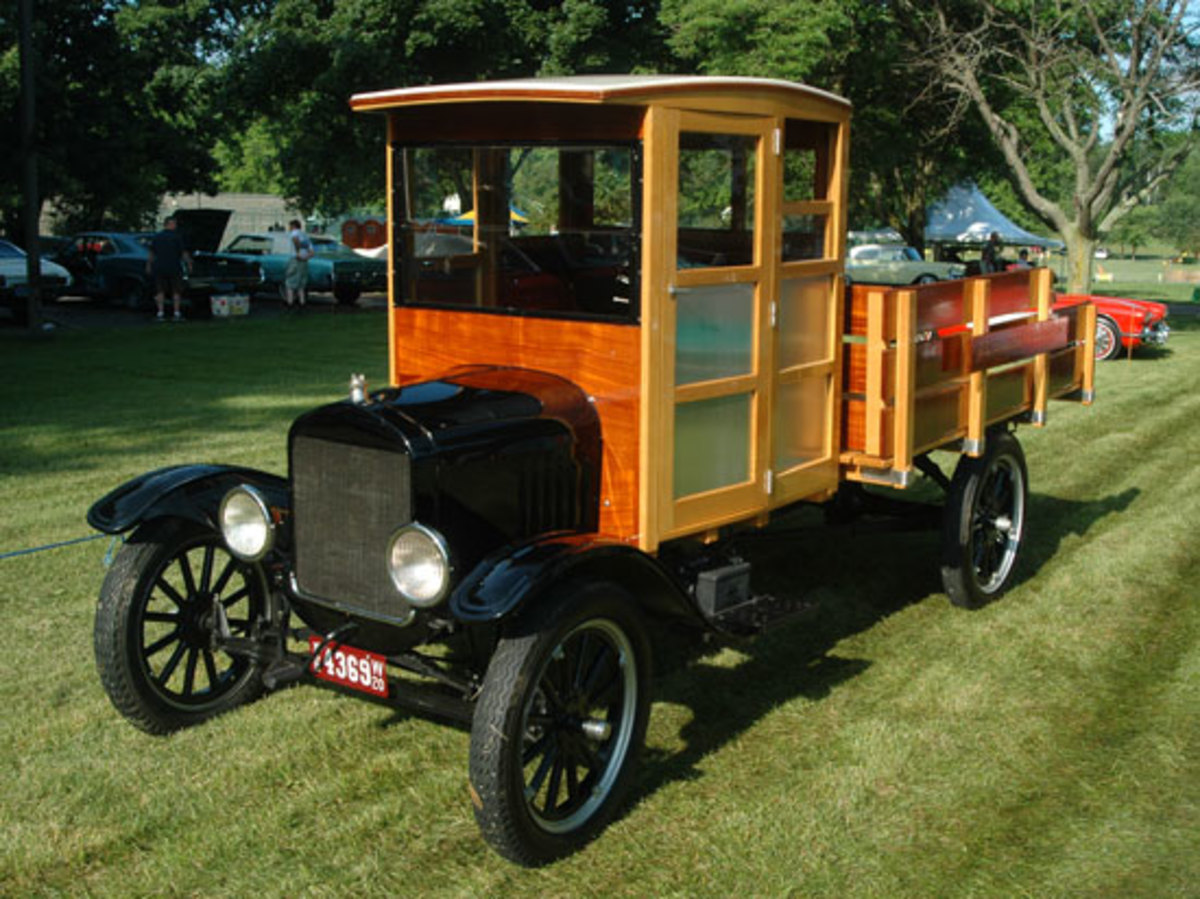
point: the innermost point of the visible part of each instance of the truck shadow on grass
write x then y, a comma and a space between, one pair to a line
855, 576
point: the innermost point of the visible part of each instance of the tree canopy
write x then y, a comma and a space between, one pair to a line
1086, 108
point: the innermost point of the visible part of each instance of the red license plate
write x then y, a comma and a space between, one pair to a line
350, 667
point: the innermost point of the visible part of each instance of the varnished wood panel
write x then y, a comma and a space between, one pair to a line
603, 359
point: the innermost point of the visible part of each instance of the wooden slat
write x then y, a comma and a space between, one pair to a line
978, 292
906, 378
1042, 284
877, 346
1021, 342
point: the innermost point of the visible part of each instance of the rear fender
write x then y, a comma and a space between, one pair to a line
512, 578
193, 492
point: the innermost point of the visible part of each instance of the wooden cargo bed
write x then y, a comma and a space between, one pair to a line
934, 366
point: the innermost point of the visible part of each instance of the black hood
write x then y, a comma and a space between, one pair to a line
202, 229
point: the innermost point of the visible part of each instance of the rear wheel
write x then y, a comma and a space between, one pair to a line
984, 522
156, 620
1108, 339
560, 723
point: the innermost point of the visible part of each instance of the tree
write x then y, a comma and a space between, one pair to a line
302, 60
902, 155
123, 100
1093, 88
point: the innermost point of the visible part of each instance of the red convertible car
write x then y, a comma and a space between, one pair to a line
1121, 323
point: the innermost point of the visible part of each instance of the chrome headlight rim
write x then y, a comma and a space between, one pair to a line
440, 554
258, 505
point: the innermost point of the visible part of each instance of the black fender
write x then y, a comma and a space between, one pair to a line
513, 577
193, 492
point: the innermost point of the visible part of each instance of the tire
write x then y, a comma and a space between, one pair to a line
346, 295
154, 626
1108, 339
925, 279
984, 522
559, 724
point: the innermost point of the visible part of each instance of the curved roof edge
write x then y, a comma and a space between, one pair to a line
587, 88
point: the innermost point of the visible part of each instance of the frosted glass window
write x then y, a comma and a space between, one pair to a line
801, 408
712, 444
714, 332
803, 321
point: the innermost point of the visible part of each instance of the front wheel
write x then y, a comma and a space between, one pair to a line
559, 723
155, 623
984, 522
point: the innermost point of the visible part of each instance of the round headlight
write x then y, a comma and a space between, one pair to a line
419, 565
246, 523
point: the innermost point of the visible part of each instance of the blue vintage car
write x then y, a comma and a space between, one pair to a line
111, 265
335, 268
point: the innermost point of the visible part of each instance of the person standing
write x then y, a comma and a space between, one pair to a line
991, 255
295, 280
166, 263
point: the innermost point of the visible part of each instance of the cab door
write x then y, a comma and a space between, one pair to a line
710, 193
739, 415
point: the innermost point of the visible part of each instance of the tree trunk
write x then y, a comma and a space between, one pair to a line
1080, 252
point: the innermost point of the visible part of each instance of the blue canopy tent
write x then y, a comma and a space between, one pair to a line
965, 218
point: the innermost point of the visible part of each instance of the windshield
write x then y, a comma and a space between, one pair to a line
546, 229
10, 251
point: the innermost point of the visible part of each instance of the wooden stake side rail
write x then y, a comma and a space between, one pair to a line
928, 367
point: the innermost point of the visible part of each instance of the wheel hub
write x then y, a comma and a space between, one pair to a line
196, 620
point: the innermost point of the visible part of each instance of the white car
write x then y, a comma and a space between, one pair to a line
55, 278
875, 263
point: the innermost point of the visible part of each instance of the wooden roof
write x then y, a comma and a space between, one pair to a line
618, 89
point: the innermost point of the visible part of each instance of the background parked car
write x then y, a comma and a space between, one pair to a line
897, 264
55, 278
111, 265
335, 268
1122, 324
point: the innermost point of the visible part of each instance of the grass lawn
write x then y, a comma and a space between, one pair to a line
1048, 745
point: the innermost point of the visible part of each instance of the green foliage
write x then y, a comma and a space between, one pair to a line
124, 109
1177, 218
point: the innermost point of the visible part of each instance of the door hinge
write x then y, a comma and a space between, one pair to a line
774, 314
769, 482
777, 139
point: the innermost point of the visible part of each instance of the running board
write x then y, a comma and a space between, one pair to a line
724, 599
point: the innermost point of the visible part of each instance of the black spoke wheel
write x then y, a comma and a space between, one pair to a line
560, 723
984, 522
155, 623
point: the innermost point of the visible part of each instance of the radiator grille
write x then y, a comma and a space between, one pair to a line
347, 502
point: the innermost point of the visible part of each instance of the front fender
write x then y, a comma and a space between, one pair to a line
193, 492
511, 578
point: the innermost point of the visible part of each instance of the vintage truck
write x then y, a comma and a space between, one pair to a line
644, 345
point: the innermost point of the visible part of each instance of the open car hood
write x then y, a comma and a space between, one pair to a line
202, 229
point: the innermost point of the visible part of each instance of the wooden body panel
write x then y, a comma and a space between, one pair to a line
925, 367
603, 359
